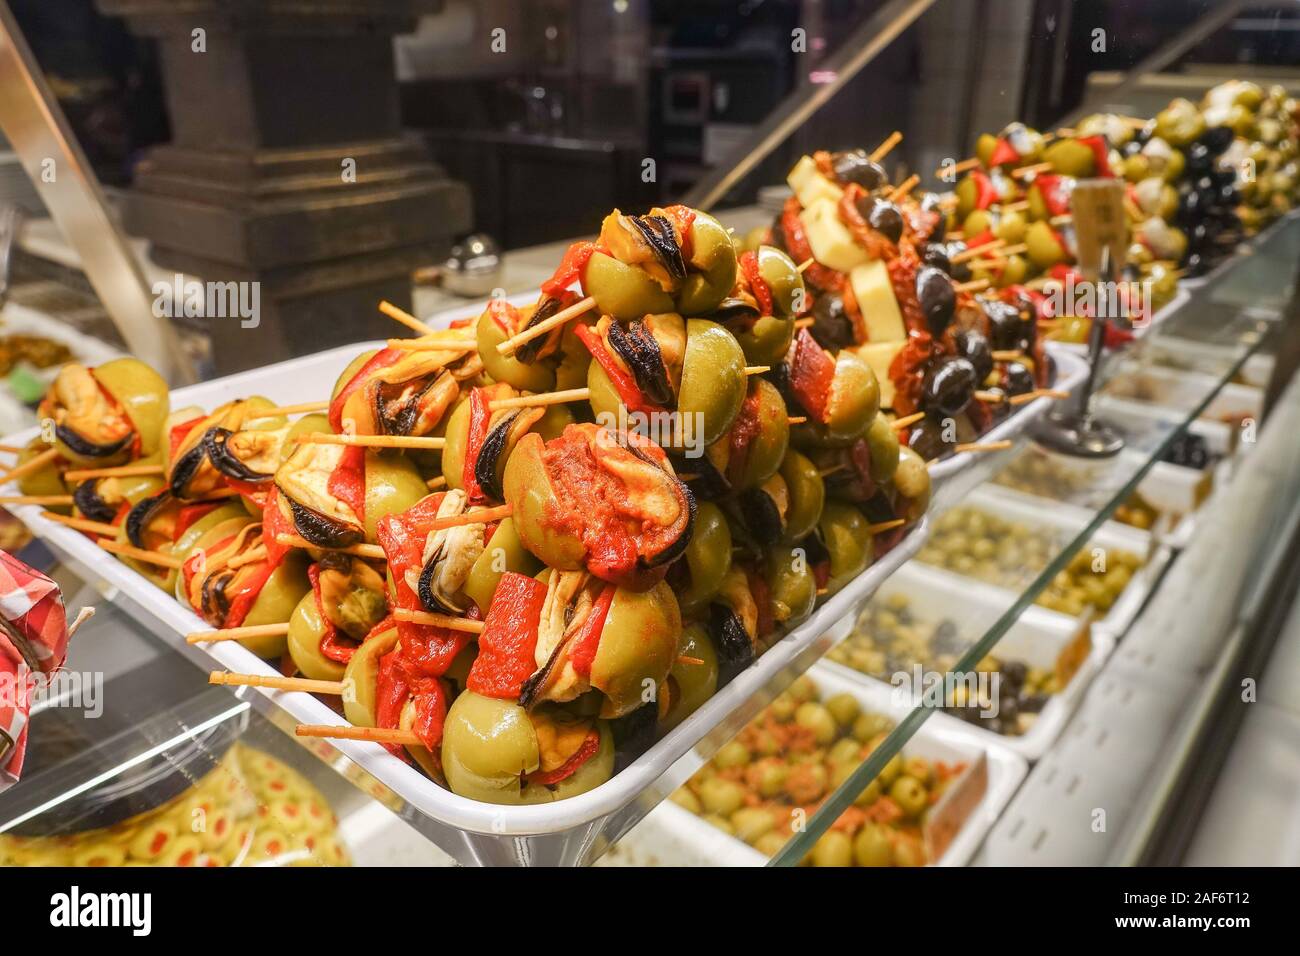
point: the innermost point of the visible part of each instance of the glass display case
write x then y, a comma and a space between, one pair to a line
1037, 667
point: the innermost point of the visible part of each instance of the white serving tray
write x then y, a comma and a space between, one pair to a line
673, 836
569, 831
1038, 637
1070, 519
953, 477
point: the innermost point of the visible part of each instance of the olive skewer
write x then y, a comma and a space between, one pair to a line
408, 320
904, 188
907, 421
374, 441
238, 633
430, 619
31, 466
883, 150
12, 449
305, 684
510, 345
55, 500
379, 735
372, 551
118, 471
961, 167
81, 524
141, 554
563, 397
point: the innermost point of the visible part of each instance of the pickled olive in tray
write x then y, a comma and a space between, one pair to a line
518, 550
795, 754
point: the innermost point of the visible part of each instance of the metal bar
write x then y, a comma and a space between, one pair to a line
39, 133
857, 50
1218, 14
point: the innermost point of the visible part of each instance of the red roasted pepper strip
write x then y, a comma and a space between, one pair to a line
505, 315
757, 284
587, 641
391, 693
480, 418
1003, 153
571, 267
177, 435
811, 373
332, 646
985, 192
590, 745
243, 600
1100, 154
347, 482
188, 515
796, 243
628, 390
509, 638
379, 361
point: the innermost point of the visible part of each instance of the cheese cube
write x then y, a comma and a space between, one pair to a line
831, 243
875, 295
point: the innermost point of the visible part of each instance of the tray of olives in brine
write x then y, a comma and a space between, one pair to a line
803, 746
567, 831
927, 619
1005, 539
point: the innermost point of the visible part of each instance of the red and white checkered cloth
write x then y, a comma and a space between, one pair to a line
33, 639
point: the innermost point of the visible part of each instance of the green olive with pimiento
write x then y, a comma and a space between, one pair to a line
1014, 272
361, 677
623, 291
843, 532
534, 377
1070, 157
597, 769
183, 547
504, 552
708, 557
487, 744
306, 628
693, 678
275, 602
883, 447
393, 484
43, 481
766, 341
528, 488
1011, 227
790, 584
143, 395
976, 222
767, 448
912, 481
783, 280
854, 398
711, 269
806, 490
407, 720
351, 370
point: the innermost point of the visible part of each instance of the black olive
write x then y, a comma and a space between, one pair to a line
494, 446
936, 254
1216, 139
815, 548
708, 484
89, 503
738, 311
658, 234
887, 220
938, 300
634, 733
730, 641
948, 387
1033, 703
926, 439
141, 514
636, 345
1017, 379
1008, 711
215, 443
321, 531
1014, 673
87, 448
856, 166
832, 326
762, 517
1005, 324
974, 346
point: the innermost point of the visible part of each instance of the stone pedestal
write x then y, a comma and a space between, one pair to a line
287, 167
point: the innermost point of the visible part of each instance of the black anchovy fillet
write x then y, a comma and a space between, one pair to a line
636, 345
87, 448
89, 503
403, 422
731, 642
140, 515
319, 530
527, 353
494, 446
658, 232
186, 468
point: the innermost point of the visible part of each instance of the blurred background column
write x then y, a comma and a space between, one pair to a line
287, 166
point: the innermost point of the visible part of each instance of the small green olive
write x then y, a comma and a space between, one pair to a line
782, 276
912, 481
486, 745
882, 444
807, 493
281, 593
638, 646
623, 291
791, 585
305, 631
504, 552
766, 340
691, 683
393, 484
712, 268
534, 377
361, 675
708, 557
767, 449
854, 396
713, 381
843, 531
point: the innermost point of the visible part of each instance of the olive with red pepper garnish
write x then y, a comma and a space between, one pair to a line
108, 413
591, 499
912, 486
491, 747
781, 276
505, 428
100, 499
752, 449
502, 552
352, 597
857, 166
934, 292
948, 387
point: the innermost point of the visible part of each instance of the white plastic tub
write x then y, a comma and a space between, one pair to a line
570, 831
673, 836
1037, 638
